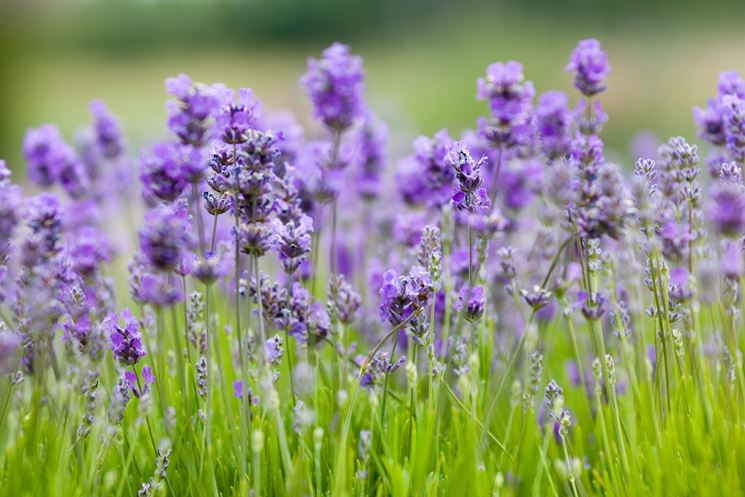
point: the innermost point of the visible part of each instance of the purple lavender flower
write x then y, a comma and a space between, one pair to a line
44, 217
273, 349
430, 252
106, 130
9, 343
165, 236
471, 302
431, 167
403, 296
237, 117
552, 123
335, 84
593, 306
709, 122
46, 153
149, 285
189, 114
126, 341
604, 206
10, 210
212, 266
254, 238
371, 157
165, 171
510, 96
379, 367
734, 126
731, 263
292, 240
87, 250
148, 379
537, 297
471, 195
726, 208
589, 63
343, 301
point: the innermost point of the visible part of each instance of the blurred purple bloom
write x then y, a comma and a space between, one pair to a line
46, 153
165, 236
589, 63
552, 123
510, 98
106, 130
167, 169
726, 208
335, 83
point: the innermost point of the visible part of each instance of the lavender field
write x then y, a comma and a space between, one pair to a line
251, 306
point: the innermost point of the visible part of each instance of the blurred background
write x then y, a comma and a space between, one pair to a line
422, 57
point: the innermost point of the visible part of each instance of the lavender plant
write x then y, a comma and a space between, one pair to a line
242, 341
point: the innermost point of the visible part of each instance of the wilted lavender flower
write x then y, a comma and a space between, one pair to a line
343, 301
589, 63
335, 84
126, 341
471, 302
552, 123
165, 236
292, 240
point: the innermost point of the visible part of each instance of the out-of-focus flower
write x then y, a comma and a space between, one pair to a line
335, 83
589, 63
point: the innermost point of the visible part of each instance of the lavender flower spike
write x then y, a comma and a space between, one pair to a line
335, 84
589, 63
126, 341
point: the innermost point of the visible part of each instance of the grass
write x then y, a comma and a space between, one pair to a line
445, 435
